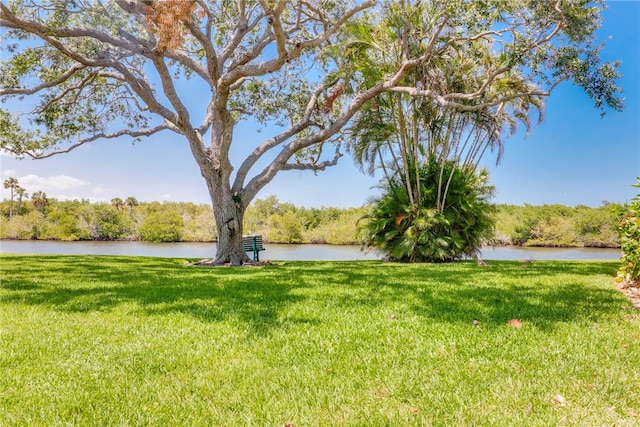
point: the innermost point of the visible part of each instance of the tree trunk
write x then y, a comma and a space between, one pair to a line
11, 206
228, 211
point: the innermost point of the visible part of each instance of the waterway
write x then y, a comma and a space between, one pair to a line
279, 251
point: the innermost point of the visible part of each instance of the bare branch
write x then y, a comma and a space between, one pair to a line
445, 100
314, 166
45, 85
118, 134
242, 28
324, 134
283, 56
177, 55
212, 73
275, 141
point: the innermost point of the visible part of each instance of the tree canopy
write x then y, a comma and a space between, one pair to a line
115, 68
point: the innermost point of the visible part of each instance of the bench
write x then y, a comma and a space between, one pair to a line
253, 244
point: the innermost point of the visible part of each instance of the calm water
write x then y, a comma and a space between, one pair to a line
279, 252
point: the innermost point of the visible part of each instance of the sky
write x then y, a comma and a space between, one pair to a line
574, 157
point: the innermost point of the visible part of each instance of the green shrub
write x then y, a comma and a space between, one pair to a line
162, 226
102, 222
285, 228
64, 223
424, 231
630, 242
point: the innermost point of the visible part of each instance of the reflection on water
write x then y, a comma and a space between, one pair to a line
279, 252
181, 250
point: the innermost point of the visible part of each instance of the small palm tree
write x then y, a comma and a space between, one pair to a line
131, 202
420, 230
39, 200
117, 203
22, 193
12, 184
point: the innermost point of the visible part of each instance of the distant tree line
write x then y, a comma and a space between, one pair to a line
45, 218
558, 225
50, 219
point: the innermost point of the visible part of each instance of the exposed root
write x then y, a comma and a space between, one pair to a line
209, 262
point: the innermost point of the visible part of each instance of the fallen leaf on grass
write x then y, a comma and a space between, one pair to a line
529, 408
560, 400
515, 323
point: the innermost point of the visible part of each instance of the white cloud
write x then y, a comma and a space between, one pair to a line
61, 187
9, 172
50, 183
165, 196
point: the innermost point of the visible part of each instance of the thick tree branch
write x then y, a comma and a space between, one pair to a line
183, 120
314, 166
287, 152
271, 143
212, 74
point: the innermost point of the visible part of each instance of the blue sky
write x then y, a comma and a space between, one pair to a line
573, 157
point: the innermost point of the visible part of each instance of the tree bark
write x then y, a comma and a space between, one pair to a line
228, 210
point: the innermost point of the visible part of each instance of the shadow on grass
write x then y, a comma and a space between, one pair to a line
156, 286
542, 293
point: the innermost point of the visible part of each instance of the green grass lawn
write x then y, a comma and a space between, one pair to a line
110, 341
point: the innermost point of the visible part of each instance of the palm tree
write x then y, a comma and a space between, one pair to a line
131, 202
22, 193
117, 203
459, 134
418, 230
39, 200
12, 184
428, 150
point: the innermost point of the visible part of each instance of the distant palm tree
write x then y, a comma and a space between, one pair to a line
22, 193
117, 203
12, 184
131, 202
39, 199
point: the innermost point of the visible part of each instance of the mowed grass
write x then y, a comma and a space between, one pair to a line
111, 341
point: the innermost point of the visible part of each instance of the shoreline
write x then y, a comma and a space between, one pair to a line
267, 242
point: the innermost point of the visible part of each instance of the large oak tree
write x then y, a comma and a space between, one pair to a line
100, 69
